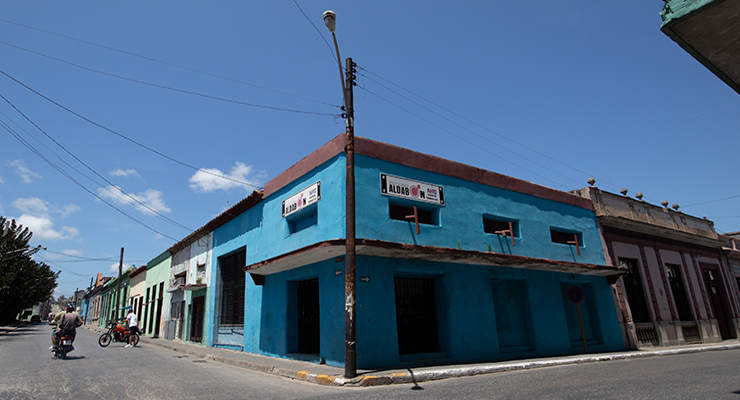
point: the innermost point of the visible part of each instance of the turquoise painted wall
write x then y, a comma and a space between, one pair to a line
469, 327
265, 234
466, 314
461, 219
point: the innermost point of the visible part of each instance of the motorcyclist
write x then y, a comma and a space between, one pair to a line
68, 323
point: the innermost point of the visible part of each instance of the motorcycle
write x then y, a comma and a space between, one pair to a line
117, 333
63, 346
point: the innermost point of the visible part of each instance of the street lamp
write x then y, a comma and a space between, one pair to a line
350, 296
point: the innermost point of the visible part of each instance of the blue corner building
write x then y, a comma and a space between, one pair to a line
454, 264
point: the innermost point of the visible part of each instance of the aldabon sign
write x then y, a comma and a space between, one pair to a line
411, 190
302, 199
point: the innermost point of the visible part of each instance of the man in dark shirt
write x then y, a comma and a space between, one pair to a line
67, 326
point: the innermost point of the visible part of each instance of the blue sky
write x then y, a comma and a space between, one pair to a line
155, 99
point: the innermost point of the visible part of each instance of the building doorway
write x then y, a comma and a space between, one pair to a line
416, 316
309, 318
196, 319
714, 290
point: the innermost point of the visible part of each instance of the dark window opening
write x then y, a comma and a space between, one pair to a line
303, 219
403, 213
679, 292
566, 237
416, 316
505, 228
160, 301
634, 290
309, 317
232, 288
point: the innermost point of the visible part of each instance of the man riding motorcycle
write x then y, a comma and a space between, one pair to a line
67, 325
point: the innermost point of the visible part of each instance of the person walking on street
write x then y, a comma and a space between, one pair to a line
133, 327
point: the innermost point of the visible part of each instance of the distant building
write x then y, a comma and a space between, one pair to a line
677, 288
138, 287
155, 306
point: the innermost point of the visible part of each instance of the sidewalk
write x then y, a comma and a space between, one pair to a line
328, 375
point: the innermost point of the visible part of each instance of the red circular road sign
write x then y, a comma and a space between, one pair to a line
575, 294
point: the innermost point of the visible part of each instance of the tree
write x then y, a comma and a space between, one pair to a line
23, 281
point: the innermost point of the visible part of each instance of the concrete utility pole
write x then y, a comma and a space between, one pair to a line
118, 295
350, 295
350, 290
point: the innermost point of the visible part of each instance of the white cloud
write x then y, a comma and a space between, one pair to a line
149, 202
22, 170
36, 217
69, 209
31, 205
2, 180
43, 228
211, 179
124, 172
114, 268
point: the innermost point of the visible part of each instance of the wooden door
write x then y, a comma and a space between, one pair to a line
196, 319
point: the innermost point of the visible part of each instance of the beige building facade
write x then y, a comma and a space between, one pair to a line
679, 288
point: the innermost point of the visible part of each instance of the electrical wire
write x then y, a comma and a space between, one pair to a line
473, 132
71, 178
478, 125
317, 30
80, 258
203, 170
131, 197
459, 137
712, 201
169, 87
168, 63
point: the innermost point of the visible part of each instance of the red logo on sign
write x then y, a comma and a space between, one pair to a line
415, 190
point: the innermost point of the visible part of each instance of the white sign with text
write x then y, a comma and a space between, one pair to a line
411, 190
302, 199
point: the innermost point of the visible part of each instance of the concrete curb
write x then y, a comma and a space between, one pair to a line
427, 375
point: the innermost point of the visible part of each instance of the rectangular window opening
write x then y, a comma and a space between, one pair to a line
570, 238
303, 219
404, 213
499, 226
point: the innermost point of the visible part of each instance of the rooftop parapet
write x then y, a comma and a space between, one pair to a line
634, 214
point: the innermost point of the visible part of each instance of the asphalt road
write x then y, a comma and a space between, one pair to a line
29, 371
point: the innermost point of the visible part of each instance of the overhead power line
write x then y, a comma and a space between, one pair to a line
478, 125
458, 136
70, 177
80, 258
131, 197
203, 170
167, 63
169, 87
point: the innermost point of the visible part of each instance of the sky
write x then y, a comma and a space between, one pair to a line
119, 119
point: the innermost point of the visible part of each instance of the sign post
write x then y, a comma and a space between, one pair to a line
575, 294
